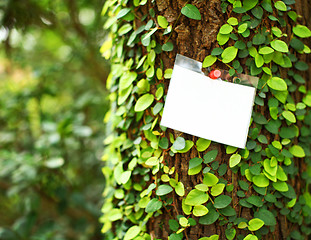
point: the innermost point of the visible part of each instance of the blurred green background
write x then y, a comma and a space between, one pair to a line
52, 105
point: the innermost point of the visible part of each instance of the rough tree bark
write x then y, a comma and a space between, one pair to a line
196, 39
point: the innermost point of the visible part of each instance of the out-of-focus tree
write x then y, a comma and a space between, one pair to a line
52, 103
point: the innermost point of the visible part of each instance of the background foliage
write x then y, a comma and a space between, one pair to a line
52, 103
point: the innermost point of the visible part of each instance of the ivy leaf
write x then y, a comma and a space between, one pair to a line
163, 23
250, 237
191, 11
233, 21
222, 201
297, 151
200, 210
234, 160
229, 54
255, 224
242, 28
144, 102
261, 181
163, 190
209, 61
210, 179
168, 47
266, 216
226, 29
266, 50
210, 156
217, 189
209, 218
277, 83
179, 143
279, 46
183, 222
289, 116
153, 205
196, 197
259, 61
194, 162
302, 31
249, 4
202, 144
280, 6
180, 189
132, 232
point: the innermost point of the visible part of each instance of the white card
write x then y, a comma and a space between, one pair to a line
212, 109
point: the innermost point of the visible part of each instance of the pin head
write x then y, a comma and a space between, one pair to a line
214, 74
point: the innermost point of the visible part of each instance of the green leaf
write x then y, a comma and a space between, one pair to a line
222, 201
249, 4
280, 6
242, 28
209, 61
123, 12
202, 144
195, 170
186, 208
183, 222
210, 179
196, 197
191, 11
234, 160
180, 143
194, 162
202, 187
200, 210
266, 50
250, 237
209, 218
259, 61
229, 54
226, 29
302, 31
153, 161
277, 83
163, 190
217, 189
210, 156
125, 176
255, 224
168, 47
230, 149
297, 151
289, 116
261, 181
180, 189
222, 38
279, 46
163, 23
230, 233
173, 224
144, 102
233, 21
153, 205
266, 216
189, 145
132, 232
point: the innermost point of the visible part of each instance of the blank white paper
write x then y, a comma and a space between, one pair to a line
212, 109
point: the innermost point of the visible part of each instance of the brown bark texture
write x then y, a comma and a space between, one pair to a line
196, 39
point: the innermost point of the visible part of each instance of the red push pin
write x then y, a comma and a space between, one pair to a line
214, 74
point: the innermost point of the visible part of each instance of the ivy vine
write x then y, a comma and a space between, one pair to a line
140, 185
